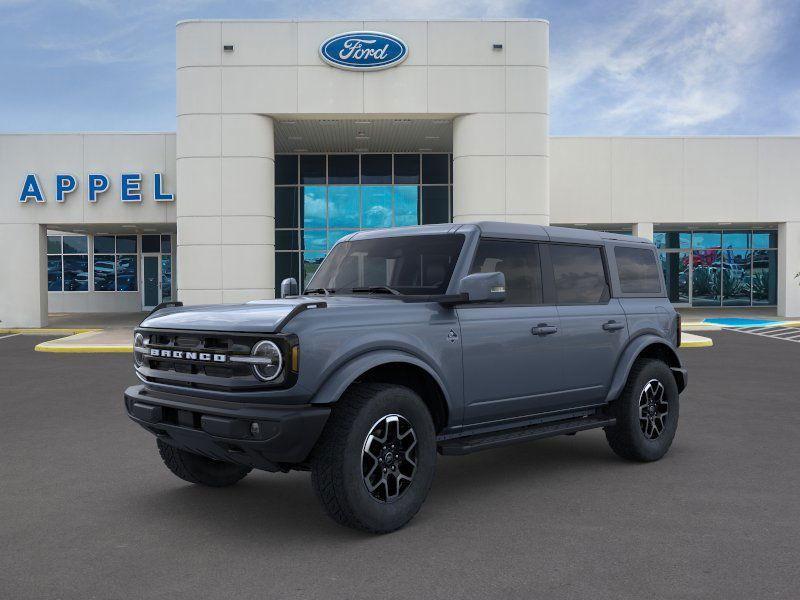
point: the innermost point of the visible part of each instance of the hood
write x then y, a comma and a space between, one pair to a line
261, 316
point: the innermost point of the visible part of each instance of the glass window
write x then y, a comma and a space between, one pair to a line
406, 205
675, 266
285, 169
638, 271
434, 168
672, 239
579, 274
518, 262
314, 206
765, 277
406, 168
166, 278
75, 244
285, 266
736, 277
104, 244
435, 205
376, 168
736, 239
343, 168
312, 168
286, 240
76, 273
126, 274
411, 264
343, 206
54, 244
315, 239
286, 207
54, 276
126, 244
311, 262
151, 243
707, 239
166, 244
376, 206
104, 273
765, 239
706, 277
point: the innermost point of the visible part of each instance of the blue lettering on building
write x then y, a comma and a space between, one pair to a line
130, 187
363, 50
130, 190
65, 184
31, 190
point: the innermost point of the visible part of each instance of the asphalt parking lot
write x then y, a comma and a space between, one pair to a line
87, 510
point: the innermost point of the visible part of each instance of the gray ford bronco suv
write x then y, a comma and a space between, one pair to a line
451, 338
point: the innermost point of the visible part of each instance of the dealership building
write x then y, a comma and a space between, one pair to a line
291, 135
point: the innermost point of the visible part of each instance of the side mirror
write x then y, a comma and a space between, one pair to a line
289, 287
483, 287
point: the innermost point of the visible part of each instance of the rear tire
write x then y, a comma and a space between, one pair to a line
374, 462
646, 413
199, 469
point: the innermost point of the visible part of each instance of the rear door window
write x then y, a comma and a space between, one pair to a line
518, 262
580, 277
638, 271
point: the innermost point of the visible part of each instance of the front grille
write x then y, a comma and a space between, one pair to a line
193, 373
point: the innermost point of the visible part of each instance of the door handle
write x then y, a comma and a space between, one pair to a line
543, 329
613, 326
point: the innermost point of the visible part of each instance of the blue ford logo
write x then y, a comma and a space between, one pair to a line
363, 50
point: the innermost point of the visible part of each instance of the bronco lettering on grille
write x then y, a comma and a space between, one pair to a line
181, 354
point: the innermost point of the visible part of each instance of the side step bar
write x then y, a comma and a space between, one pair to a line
484, 441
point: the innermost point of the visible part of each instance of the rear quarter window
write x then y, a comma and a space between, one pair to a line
638, 270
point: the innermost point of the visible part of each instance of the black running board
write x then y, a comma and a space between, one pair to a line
484, 441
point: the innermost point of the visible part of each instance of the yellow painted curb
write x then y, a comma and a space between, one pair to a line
46, 331
61, 348
695, 341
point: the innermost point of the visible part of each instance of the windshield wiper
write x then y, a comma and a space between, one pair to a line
376, 289
321, 290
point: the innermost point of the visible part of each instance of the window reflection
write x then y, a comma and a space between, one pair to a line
343, 206
314, 206
377, 206
406, 205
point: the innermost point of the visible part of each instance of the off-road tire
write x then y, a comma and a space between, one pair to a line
199, 469
627, 438
336, 462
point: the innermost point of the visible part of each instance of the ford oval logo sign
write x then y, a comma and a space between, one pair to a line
363, 50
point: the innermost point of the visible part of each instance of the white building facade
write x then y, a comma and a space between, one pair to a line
287, 140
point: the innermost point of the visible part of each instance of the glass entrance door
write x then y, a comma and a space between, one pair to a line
151, 288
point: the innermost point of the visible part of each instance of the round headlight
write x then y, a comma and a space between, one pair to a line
138, 343
271, 361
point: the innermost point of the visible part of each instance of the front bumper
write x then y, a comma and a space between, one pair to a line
225, 431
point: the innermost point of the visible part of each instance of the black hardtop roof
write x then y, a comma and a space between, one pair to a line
506, 230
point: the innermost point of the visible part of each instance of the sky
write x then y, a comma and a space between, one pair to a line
671, 67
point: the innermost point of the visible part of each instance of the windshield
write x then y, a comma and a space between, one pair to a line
406, 264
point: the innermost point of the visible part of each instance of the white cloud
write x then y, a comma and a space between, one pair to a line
669, 69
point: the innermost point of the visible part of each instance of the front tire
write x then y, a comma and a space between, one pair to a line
199, 469
646, 413
374, 463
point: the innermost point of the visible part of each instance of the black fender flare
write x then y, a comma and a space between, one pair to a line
635, 348
333, 388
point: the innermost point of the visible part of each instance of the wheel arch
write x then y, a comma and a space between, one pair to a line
391, 367
646, 346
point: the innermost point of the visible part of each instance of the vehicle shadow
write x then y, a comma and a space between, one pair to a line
283, 506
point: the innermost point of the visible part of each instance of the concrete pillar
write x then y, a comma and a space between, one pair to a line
643, 230
501, 168
226, 221
23, 302
788, 266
